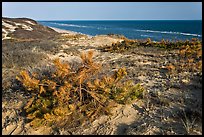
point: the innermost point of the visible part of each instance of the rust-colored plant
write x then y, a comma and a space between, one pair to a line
73, 95
190, 56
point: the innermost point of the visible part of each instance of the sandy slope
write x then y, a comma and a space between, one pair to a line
156, 114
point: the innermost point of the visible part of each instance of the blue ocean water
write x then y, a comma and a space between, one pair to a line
134, 29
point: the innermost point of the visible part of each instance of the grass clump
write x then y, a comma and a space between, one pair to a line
67, 95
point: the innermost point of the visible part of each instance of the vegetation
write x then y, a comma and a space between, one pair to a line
127, 44
69, 95
65, 37
122, 46
189, 52
190, 57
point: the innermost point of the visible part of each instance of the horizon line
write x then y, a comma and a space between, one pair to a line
103, 19
116, 19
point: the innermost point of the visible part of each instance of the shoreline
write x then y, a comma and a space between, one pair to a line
68, 31
75, 33
64, 31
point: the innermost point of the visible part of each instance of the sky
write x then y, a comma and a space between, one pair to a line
104, 10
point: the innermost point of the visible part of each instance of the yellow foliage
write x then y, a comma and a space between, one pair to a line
170, 67
42, 90
28, 82
190, 56
63, 69
70, 94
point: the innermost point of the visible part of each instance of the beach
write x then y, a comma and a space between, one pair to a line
64, 31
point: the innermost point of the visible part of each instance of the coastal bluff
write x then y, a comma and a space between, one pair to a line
170, 73
24, 28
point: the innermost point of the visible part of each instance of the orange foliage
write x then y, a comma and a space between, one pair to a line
74, 93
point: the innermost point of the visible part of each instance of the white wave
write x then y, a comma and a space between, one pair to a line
101, 28
70, 25
146, 36
169, 32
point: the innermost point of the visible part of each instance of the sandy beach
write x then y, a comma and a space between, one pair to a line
64, 31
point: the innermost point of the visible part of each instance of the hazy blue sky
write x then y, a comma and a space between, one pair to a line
104, 10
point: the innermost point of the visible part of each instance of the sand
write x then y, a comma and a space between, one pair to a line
151, 115
64, 31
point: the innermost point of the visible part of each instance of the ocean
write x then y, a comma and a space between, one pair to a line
135, 29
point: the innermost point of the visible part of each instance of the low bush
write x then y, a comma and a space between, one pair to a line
189, 57
127, 44
122, 46
67, 95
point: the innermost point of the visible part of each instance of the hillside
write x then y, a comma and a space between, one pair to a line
170, 75
24, 28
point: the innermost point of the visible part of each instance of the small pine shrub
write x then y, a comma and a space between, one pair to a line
74, 95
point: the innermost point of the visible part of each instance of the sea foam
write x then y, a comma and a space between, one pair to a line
168, 32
